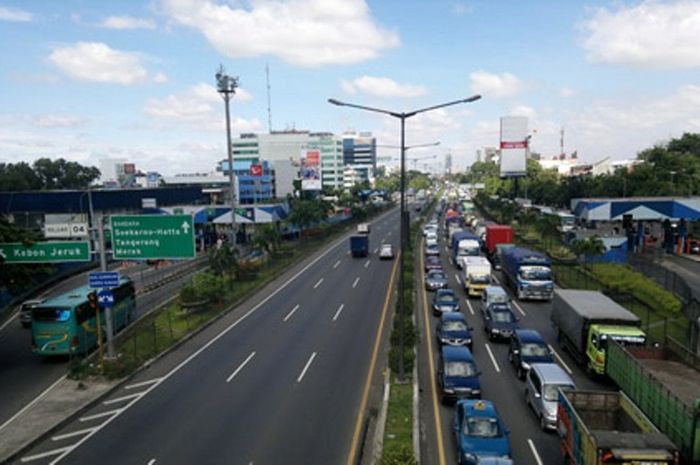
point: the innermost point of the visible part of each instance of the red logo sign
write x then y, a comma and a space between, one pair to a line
256, 170
514, 145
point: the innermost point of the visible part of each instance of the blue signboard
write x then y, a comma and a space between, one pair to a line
104, 279
105, 298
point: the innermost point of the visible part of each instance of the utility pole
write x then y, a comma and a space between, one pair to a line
226, 86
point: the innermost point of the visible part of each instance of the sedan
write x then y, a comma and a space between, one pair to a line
432, 249
435, 279
386, 251
479, 432
453, 330
499, 321
432, 263
444, 301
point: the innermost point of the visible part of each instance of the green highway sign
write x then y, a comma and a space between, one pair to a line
45, 252
138, 237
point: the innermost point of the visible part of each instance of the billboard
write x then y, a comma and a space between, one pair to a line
514, 142
256, 170
311, 171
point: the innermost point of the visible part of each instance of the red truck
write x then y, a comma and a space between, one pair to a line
497, 234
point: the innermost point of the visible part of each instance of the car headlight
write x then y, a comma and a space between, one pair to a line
449, 390
468, 341
494, 330
526, 366
469, 456
444, 340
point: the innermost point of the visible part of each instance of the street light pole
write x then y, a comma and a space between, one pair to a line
226, 86
404, 217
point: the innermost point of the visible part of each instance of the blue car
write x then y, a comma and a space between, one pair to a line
499, 321
527, 347
453, 330
479, 432
444, 301
457, 374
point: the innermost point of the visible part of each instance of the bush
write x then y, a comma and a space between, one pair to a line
204, 286
403, 456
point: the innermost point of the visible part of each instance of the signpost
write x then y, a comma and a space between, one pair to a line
45, 252
104, 279
140, 237
105, 298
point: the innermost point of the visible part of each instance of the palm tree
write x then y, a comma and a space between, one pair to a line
589, 247
267, 238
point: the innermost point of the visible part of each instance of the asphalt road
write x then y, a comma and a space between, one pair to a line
529, 444
281, 379
26, 375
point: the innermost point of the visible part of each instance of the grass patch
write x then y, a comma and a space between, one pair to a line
398, 435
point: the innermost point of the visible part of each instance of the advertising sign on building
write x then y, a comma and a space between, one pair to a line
514, 142
311, 171
256, 170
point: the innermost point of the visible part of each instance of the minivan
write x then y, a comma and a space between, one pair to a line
542, 391
25, 311
457, 374
527, 347
493, 294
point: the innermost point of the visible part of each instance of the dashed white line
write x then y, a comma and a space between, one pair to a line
240, 367
337, 313
289, 315
459, 281
450, 259
61, 437
142, 384
318, 283
493, 359
367, 263
354, 284
534, 451
49, 453
336, 264
376, 250
151, 462
469, 305
446, 249
561, 360
120, 399
100, 415
518, 307
308, 364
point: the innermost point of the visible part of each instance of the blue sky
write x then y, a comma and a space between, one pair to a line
88, 80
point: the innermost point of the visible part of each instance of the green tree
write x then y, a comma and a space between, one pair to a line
267, 238
62, 174
589, 247
304, 213
18, 278
18, 177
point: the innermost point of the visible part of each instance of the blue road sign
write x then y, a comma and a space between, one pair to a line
105, 298
104, 279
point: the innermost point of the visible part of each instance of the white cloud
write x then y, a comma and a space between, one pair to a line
301, 32
127, 22
382, 87
566, 92
495, 85
97, 62
523, 110
57, 121
649, 35
461, 8
14, 15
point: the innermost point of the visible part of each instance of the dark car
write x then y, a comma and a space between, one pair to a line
457, 374
499, 321
435, 279
527, 347
445, 301
432, 250
25, 311
432, 263
453, 330
694, 247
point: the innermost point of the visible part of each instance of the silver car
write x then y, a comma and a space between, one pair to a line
542, 390
25, 311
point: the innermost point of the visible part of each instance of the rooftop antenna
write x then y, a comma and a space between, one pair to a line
269, 107
561, 142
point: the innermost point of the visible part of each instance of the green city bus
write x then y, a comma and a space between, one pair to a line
67, 324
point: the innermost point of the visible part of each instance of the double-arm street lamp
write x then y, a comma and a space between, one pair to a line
404, 218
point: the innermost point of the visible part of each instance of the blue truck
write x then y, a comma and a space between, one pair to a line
528, 273
464, 243
359, 246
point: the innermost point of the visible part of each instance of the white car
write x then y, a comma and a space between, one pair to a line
386, 251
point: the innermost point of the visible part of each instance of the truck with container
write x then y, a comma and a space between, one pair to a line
497, 257
463, 244
528, 273
606, 428
585, 321
359, 245
477, 275
497, 234
664, 382
363, 228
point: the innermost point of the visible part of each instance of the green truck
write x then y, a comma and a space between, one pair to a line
665, 383
606, 428
585, 322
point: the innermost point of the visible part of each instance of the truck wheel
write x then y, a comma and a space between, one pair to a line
521, 374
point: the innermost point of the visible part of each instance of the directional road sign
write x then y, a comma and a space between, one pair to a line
104, 279
105, 298
138, 237
45, 252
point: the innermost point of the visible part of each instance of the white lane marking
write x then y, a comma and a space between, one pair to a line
493, 359
308, 364
367, 263
289, 315
141, 384
318, 283
336, 264
518, 307
61, 437
337, 314
534, 451
151, 462
376, 250
120, 399
49, 453
446, 249
240, 367
9, 320
30, 404
357, 280
459, 281
469, 305
211, 341
100, 415
450, 259
561, 360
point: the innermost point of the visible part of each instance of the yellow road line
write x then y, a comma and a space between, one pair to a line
431, 367
352, 456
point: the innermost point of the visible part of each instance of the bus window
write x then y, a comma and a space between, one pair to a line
51, 314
